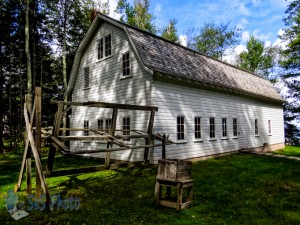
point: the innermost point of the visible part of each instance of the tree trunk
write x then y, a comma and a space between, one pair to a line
28, 57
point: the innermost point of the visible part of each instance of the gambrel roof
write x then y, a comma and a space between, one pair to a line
166, 58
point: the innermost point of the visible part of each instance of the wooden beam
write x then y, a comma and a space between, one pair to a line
38, 126
59, 144
111, 132
26, 157
55, 133
149, 132
110, 105
36, 156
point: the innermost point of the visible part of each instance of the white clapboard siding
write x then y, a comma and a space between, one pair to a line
174, 100
106, 85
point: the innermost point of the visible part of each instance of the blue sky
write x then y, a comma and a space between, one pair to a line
261, 18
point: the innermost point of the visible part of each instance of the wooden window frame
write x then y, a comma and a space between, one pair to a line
100, 124
126, 70
256, 127
212, 128
224, 127
197, 128
104, 50
126, 127
180, 128
108, 124
86, 126
269, 127
235, 127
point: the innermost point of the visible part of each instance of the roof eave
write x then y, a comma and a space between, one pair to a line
209, 86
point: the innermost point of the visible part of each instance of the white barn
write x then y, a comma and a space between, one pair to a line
207, 106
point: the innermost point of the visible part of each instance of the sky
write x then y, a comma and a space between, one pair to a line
261, 18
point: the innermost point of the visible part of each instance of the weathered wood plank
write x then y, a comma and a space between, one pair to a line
149, 131
111, 132
55, 133
38, 126
36, 156
109, 105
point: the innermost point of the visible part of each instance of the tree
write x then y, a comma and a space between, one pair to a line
291, 64
257, 58
170, 32
137, 15
69, 21
213, 40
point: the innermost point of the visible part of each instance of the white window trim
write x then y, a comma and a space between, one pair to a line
104, 57
201, 129
224, 137
121, 64
184, 120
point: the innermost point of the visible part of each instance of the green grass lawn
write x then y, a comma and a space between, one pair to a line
235, 189
289, 151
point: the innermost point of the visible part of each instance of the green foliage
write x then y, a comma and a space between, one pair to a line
214, 39
291, 64
257, 58
170, 32
289, 151
137, 15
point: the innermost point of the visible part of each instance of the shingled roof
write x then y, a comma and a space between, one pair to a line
163, 56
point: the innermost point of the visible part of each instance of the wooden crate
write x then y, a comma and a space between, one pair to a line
174, 169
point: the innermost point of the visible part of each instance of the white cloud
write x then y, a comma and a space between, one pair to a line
244, 10
157, 10
183, 40
245, 36
230, 55
112, 7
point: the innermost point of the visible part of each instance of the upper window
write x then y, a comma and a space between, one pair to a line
269, 127
235, 127
86, 76
126, 127
224, 127
126, 64
180, 127
197, 127
104, 47
86, 126
212, 125
256, 127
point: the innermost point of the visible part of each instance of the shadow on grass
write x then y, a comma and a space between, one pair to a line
236, 189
